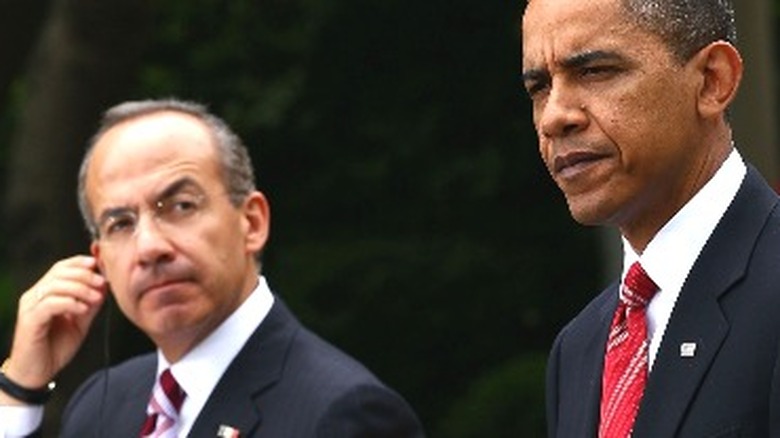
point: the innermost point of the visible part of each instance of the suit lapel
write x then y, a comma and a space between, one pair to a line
698, 317
134, 409
578, 383
594, 358
130, 394
257, 367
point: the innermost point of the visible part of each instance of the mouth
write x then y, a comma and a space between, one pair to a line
162, 284
574, 163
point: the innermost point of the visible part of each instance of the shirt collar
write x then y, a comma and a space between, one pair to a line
199, 371
671, 253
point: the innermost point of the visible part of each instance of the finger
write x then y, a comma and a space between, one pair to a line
36, 324
54, 317
47, 338
80, 290
56, 305
69, 278
79, 268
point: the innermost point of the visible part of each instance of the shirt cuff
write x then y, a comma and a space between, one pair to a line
20, 421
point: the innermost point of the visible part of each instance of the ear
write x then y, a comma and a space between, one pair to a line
256, 222
720, 66
94, 249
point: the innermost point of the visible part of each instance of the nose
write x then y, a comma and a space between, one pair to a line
562, 113
152, 245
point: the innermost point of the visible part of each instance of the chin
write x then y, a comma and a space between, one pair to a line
588, 214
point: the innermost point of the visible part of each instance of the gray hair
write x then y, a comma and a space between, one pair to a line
236, 166
686, 26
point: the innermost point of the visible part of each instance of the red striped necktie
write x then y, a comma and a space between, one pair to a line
163, 409
625, 362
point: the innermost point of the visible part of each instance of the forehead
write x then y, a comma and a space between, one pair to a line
141, 155
557, 29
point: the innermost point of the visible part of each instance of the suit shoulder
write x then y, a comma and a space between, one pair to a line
332, 393
591, 315
354, 401
322, 362
109, 394
118, 377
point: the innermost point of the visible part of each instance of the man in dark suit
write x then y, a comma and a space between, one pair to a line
629, 102
167, 192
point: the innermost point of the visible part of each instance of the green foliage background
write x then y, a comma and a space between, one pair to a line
413, 224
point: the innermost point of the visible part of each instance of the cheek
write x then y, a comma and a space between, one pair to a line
535, 114
126, 308
108, 269
545, 151
661, 101
117, 275
215, 247
633, 118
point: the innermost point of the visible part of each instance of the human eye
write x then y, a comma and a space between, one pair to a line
535, 88
117, 225
599, 71
179, 206
536, 83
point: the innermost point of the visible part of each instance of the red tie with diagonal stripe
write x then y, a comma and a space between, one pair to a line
625, 362
163, 410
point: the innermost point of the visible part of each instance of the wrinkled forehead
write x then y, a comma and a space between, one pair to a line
158, 136
545, 8
558, 29
145, 152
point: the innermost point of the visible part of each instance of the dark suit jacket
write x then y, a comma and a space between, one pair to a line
285, 383
729, 306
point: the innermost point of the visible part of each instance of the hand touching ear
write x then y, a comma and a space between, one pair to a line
53, 319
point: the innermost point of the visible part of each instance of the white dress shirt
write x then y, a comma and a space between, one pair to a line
197, 372
671, 253
19, 421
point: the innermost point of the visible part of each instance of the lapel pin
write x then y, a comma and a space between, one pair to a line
688, 349
225, 431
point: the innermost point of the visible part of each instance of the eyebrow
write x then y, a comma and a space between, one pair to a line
177, 186
172, 189
582, 59
573, 62
111, 213
536, 75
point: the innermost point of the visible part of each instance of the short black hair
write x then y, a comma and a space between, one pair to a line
686, 26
